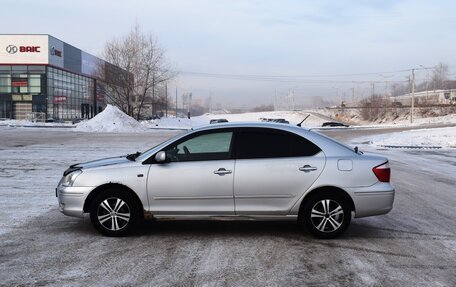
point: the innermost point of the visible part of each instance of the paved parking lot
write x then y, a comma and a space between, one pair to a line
413, 245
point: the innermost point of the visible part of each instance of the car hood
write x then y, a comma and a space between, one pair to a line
102, 162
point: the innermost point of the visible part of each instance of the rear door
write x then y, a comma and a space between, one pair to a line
273, 169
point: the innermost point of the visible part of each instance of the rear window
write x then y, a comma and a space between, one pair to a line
269, 143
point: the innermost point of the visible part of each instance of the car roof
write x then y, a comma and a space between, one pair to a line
329, 146
271, 125
333, 148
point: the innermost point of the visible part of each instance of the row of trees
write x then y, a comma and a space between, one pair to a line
438, 80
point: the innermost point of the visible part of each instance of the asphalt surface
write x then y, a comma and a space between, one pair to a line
413, 245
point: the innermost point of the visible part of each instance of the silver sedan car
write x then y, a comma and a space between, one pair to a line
240, 171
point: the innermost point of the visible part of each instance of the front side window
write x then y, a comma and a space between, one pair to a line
268, 143
207, 146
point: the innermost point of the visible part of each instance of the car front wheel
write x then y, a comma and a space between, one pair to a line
326, 215
114, 213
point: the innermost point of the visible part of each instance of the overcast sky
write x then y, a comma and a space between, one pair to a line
245, 46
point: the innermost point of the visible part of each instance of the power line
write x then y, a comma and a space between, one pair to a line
299, 77
283, 79
290, 76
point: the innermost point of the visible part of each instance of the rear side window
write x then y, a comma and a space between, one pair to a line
269, 143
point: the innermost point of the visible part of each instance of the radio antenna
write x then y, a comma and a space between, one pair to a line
299, 125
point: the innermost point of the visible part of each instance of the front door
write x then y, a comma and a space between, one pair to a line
197, 180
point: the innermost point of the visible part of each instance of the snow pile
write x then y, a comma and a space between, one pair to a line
110, 119
436, 137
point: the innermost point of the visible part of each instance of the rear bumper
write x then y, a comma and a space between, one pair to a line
373, 200
71, 200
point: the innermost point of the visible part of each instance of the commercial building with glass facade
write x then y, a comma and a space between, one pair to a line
43, 77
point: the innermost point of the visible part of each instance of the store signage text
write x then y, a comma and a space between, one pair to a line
22, 49
19, 83
60, 99
56, 52
29, 49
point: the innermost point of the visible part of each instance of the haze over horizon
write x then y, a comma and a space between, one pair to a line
246, 53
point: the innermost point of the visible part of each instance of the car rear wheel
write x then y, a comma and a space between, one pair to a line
114, 213
326, 215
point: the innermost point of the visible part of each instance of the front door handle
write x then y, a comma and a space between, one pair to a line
307, 168
222, 171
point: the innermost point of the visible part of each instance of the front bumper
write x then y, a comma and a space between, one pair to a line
373, 200
71, 199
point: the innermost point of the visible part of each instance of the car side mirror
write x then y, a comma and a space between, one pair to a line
161, 157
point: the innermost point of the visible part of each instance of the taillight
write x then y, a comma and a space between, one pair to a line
382, 172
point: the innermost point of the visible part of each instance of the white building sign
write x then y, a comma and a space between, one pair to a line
19, 49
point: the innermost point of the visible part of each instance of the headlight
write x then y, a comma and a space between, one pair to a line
69, 179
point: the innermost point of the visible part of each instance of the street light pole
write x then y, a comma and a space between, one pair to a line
427, 81
166, 99
413, 96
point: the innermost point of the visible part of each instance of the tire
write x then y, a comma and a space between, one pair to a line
326, 215
114, 213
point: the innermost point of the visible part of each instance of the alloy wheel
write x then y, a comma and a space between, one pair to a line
327, 215
113, 214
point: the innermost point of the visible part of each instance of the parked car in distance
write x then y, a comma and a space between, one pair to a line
76, 120
280, 121
217, 121
334, 124
262, 171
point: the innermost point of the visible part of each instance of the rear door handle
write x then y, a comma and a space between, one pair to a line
307, 168
222, 171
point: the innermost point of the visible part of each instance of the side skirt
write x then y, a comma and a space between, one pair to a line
226, 218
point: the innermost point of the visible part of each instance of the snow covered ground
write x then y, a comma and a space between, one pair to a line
390, 120
414, 244
112, 120
422, 138
294, 117
32, 161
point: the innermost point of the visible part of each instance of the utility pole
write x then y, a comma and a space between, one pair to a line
189, 104
413, 96
176, 101
153, 93
275, 99
373, 90
353, 96
386, 100
166, 99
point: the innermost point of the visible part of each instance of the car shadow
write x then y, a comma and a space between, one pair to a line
219, 228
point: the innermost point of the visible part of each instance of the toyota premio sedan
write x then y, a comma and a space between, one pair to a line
261, 171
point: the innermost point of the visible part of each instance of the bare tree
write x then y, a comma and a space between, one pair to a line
440, 76
374, 108
398, 89
143, 68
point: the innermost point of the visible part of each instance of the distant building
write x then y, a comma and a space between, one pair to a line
44, 77
443, 97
